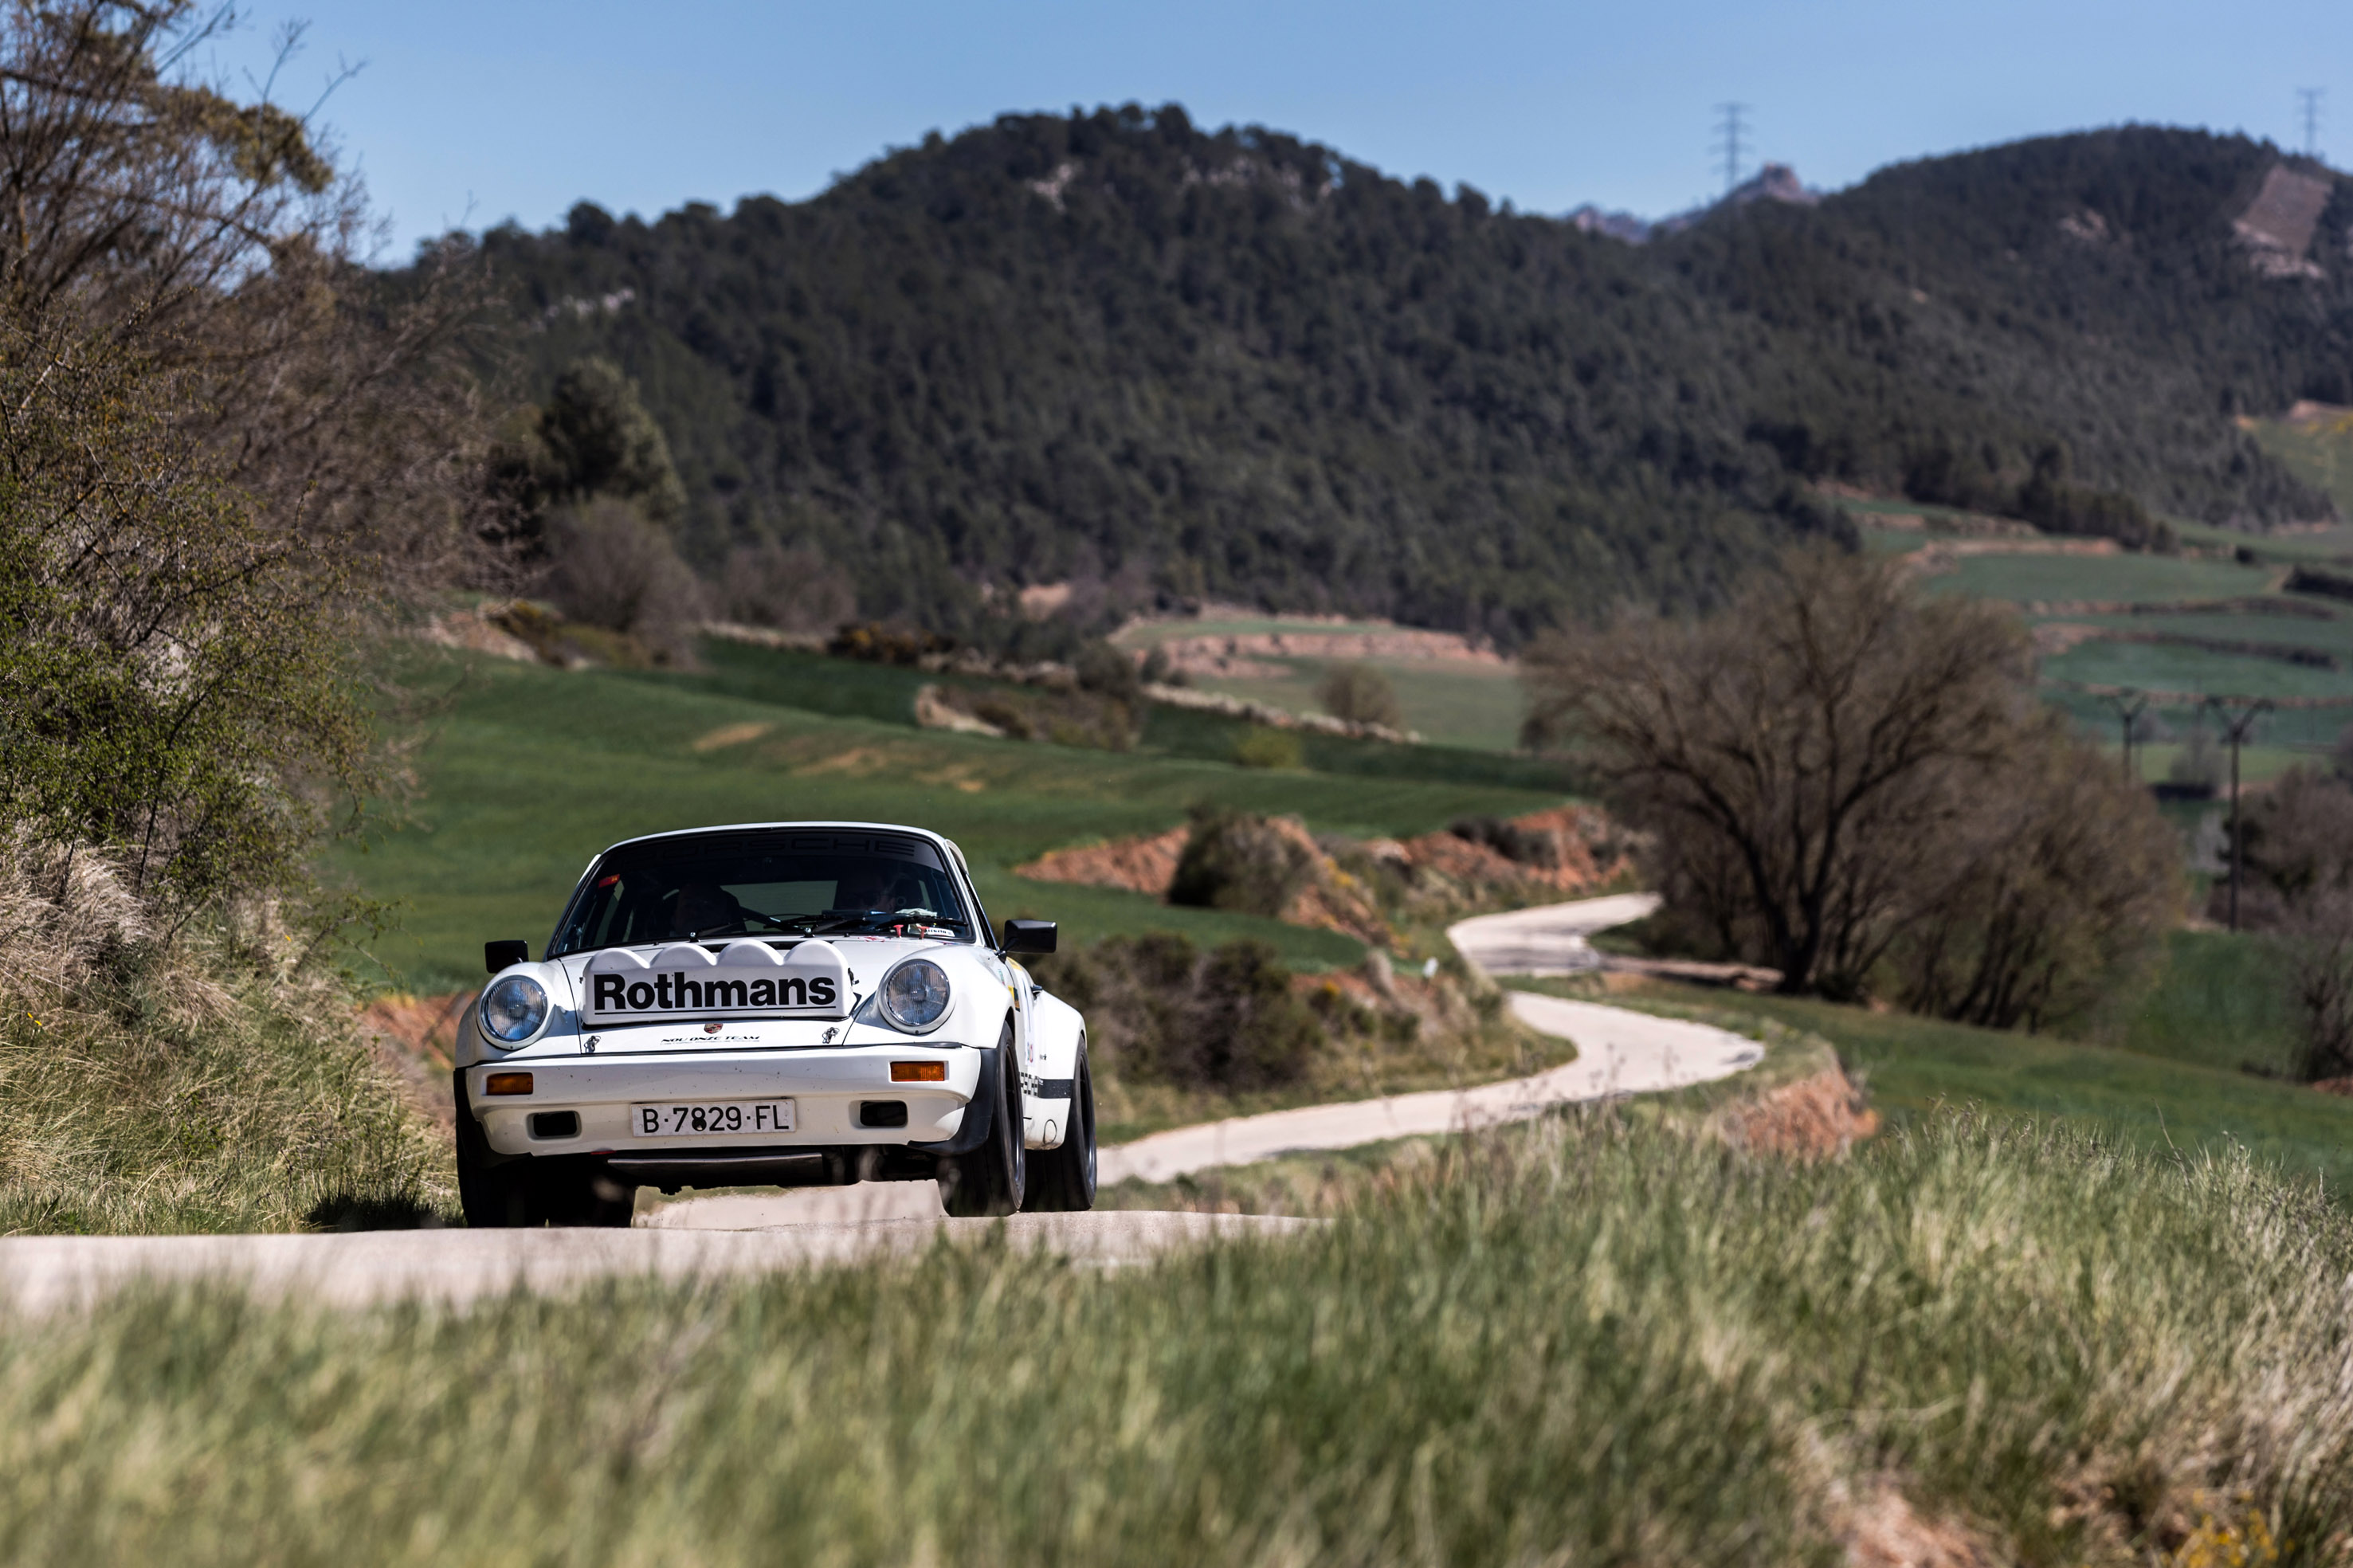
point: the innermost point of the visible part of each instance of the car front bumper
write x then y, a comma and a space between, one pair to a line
827, 1088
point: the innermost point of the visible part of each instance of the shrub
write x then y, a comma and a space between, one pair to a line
1107, 671
172, 679
872, 642
1515, 844
1161, 1010
1360, 694
2200, 765
2296, 840
614, 569
1262, 747
796, 590
1233, 860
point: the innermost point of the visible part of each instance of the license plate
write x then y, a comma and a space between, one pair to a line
713, 1118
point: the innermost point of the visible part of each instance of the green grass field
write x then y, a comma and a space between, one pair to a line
2161, 667
2190, 672
1449, 703
1592, 1342
2028, 579
2319, 545
1477, 706
532, 770
2171, 1073
2320, 455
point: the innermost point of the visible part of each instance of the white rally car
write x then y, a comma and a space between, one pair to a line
795, 1004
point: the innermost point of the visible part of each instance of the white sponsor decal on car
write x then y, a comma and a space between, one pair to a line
747, 979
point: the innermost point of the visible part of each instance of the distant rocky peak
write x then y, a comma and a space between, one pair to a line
1773, 183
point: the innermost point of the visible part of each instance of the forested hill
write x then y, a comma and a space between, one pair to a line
1114, 348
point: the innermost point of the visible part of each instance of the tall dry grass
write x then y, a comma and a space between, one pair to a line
208, 1083
1590, 1342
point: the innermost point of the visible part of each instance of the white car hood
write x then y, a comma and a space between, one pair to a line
869, 958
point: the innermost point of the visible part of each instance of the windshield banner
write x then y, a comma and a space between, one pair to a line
747, 979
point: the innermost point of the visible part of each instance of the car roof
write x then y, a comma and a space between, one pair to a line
765, 826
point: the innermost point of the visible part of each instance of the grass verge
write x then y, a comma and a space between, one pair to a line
2189, 1101
1593, 1342
122, 1111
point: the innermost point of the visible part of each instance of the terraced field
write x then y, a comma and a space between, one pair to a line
2214, 621
1451, 701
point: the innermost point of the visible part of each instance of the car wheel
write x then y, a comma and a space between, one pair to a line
989, 1180
1063, 1180
494, 1196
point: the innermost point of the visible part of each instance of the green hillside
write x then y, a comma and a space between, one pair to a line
1113, 348
534, 770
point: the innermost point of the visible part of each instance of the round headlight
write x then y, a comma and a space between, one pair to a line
916, 996
515, 1008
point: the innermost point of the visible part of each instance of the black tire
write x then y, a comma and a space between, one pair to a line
1062, 1181
990, 1180
494, 1196
514, 1193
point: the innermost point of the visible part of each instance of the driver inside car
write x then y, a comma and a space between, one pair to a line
870, 888
706, 909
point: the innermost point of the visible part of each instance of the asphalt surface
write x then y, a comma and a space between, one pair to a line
52, 1273
1549, 939
1619, 1053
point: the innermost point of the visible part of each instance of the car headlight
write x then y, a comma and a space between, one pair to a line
515, 1008
916, 996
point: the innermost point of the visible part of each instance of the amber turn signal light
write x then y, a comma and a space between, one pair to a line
919, 1072
507, 1083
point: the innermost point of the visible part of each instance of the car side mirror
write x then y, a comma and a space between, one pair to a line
499, 954
1029, 936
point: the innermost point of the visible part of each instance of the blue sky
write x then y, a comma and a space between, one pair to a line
466, 114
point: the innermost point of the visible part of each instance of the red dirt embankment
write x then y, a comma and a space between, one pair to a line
1560, 843
1812, 1119
414, 1037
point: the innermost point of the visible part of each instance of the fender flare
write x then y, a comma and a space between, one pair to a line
986, 1105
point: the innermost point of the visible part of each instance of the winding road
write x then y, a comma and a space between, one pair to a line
1619, 1052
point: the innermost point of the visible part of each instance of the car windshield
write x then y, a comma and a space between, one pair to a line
769, 883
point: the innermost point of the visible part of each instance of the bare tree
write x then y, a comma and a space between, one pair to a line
225, 439
2058, 878
1795, 755
2297, 838
217, 240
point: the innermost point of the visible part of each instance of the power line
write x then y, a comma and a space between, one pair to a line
1728, 142
2310, 112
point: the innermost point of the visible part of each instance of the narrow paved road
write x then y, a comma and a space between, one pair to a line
1547, 940
47, 1273
1619, 1052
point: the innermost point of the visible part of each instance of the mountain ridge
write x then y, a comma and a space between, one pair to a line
1113, 348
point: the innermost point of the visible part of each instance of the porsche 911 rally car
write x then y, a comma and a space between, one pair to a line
794, 1004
